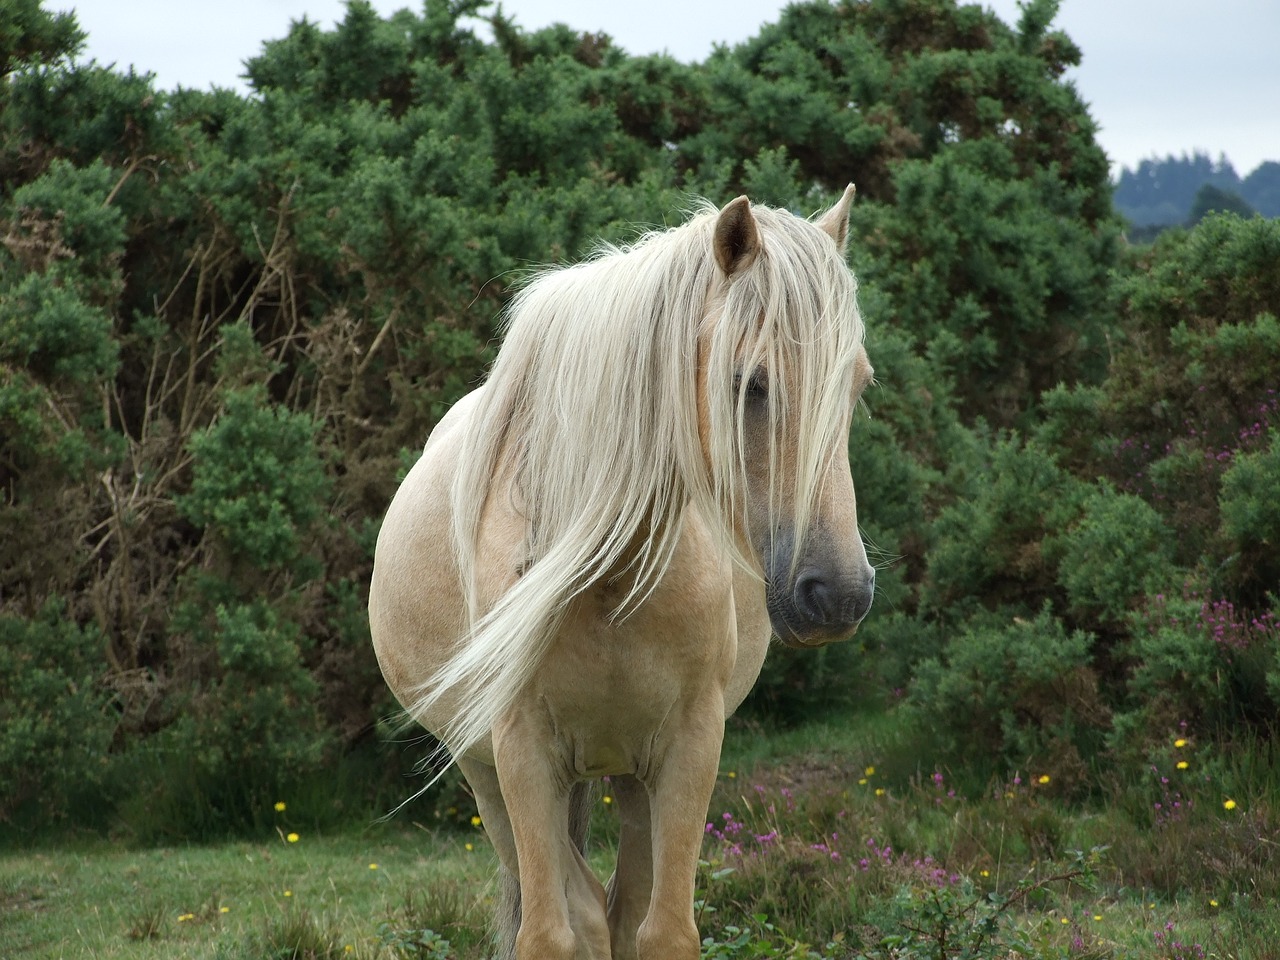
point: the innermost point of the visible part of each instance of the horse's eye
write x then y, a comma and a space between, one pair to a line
757, 388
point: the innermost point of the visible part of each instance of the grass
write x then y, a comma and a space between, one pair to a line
249, 899
827, 841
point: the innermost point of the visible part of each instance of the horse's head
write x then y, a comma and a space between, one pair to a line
782, 367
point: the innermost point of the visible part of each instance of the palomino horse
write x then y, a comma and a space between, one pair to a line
580, 576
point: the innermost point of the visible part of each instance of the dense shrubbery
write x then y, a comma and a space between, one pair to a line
226, 323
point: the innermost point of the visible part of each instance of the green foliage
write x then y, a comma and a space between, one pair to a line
425, 944
1194, 387
224, 320
1006, 274
65, 216
1022, 691
56, 716
990, 545
1198, 659
294, 934
33, 37
55, 335
758, 939
963, 923
1250, 509
258, 482
1118, 553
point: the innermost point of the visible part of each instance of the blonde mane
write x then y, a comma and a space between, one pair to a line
592, 408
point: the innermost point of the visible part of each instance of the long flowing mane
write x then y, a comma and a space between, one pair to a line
592, 410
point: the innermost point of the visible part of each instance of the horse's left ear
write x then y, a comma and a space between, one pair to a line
835, 222
737, 239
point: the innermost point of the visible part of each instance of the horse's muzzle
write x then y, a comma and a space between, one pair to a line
818, 607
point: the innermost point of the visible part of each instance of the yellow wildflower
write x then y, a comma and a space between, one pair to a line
280, 806
879, 791
984, 873
1044, 778
184, 917
733, 775
862, 782
1180, 743
607, 799
373, 866
293, 838
224, 909
288, 893
1229, 804
870, 771
469, 848
1182, 764
475, 821
1097, 916
1213, 903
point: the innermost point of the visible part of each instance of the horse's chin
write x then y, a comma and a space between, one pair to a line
788, 637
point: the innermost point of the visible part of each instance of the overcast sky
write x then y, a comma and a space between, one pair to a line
1160, 76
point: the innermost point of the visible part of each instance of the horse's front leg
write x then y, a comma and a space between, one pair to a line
562, 912
680, 792
631, 886
483, 780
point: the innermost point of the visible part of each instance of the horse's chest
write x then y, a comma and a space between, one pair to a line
613, 694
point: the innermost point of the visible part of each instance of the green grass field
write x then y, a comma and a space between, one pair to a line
334, 892
824, 842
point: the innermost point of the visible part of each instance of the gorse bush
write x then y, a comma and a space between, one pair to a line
1117, 554
258, 482
57, 719
1025, 692
1249, 504
228, 323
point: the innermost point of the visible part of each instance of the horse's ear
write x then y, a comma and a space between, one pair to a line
737, 239
835, 222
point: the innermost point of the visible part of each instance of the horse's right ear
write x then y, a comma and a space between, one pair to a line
737, 239
835, 222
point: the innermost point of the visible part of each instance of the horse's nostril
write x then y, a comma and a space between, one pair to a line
815, 598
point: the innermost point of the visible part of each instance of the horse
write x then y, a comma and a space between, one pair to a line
581, 575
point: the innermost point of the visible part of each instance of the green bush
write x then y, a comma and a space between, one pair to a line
1114, 556
258, 480
1192, 386
1022, 691
223, 320
247, 733
990, 546
1007, 275
57, 719
1198, 659
1250, 508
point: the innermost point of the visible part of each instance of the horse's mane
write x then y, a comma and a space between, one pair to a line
594, 395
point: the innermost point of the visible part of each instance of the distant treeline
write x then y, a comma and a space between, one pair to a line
1181, 190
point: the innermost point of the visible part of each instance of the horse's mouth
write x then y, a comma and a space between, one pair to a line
793, 641
810, 636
